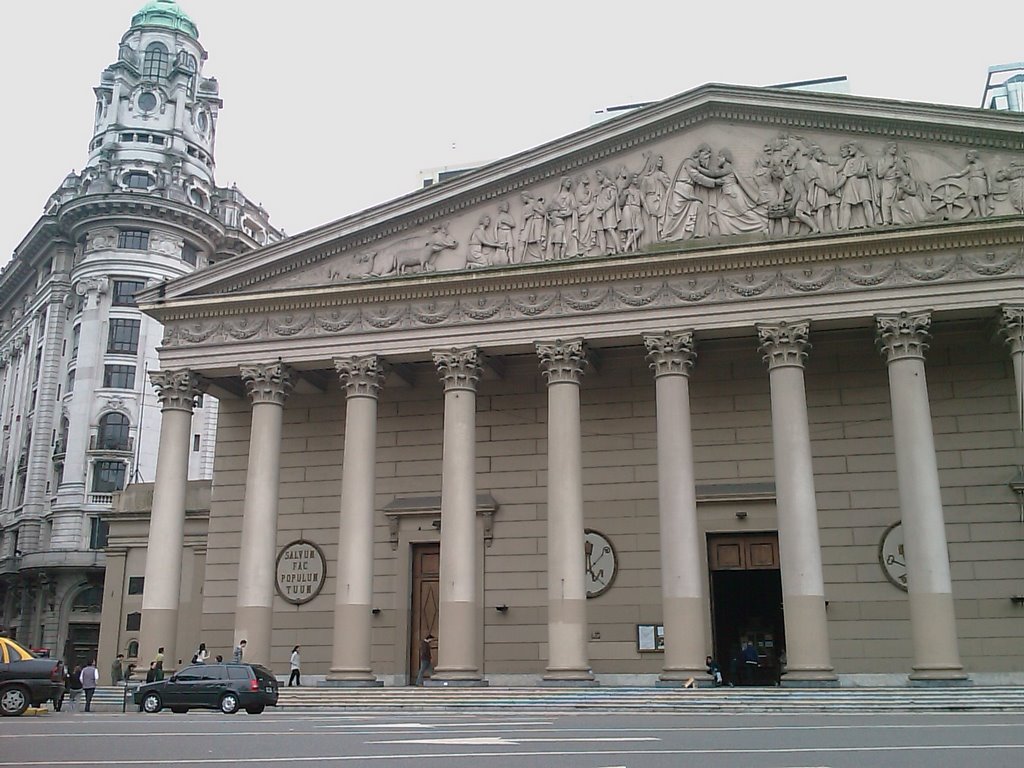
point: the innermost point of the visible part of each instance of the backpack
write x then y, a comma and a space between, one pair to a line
195, 657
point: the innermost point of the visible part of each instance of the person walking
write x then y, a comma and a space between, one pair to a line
73, 683
158, 663
90, 679
295, 664
201, 655
117, 670
239, 652
151, 673
426, 660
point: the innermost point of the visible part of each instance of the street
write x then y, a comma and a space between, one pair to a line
516, 738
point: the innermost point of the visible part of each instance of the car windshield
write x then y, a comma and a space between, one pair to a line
14, 652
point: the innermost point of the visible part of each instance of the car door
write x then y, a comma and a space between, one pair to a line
212, 684
184, 688
5, 663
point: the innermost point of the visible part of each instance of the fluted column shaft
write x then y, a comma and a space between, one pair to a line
684, 608
785, 348
562, 363
362, 377
268, 386
177, 391
903, 339
459, 610
1012, 328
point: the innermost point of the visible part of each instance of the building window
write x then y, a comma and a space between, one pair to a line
133, 646
133, 239
156, 62
125, 290
136, 584
89, 599
99, 530
119, 376
133, 624
108, 476
138, 180
189, 253
195, 443
124, 336
147, 101
76, 338
113, 433
71, 381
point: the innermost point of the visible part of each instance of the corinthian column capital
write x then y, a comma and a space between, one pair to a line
562, 360
458, 368
1011, 326
784, 343
903, 335
176, 390
268, 382
361, 375
671, 353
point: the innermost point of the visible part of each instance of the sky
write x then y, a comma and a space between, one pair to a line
332, 106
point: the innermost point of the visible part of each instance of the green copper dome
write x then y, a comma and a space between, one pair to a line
165, 13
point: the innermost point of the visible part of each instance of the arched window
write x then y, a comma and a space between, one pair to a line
113, 434
89, 599
157, 61
133, 646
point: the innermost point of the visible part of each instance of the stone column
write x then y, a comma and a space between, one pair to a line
362, 377
562, 363
268, 386
459, 611
684, 609
1012, 327
177, 391
903, 339
785, 348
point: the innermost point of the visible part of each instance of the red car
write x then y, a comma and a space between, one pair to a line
26, 680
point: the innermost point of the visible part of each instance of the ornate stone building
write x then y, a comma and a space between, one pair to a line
79, 417
564, 412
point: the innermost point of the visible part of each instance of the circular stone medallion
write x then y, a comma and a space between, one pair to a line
301, 572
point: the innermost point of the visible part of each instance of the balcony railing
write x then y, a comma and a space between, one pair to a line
101, 499
100, 443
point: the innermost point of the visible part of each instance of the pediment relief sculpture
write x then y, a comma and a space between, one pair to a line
762, 185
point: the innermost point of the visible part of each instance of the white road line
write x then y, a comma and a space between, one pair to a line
501, 741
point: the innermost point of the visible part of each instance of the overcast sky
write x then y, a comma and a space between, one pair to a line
332, 106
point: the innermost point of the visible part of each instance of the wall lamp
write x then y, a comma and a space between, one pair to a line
501, 608
741, 514
375, 611
1017, 599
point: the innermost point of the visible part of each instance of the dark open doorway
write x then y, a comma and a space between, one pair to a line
746, 599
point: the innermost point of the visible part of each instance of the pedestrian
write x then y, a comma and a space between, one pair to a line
239, 651
73, 682
158, 663
151, 674
714, 670
201, 655
426, 661
220, 659
750, 663
294, 663
117, 670
90, 679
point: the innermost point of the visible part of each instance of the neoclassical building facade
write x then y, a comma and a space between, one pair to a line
743, 366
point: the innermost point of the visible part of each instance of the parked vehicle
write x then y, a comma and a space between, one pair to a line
25, 680
227, 687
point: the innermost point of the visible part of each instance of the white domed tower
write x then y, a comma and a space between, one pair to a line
80, 418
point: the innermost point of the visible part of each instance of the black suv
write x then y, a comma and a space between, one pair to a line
226, 687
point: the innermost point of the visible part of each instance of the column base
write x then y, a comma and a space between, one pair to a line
824, 677
939, 677
350, 683
557, 682
684, 678
438, 682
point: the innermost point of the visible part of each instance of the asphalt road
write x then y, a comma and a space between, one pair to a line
530, 739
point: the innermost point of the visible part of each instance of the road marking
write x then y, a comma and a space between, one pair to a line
462, 726
501, 741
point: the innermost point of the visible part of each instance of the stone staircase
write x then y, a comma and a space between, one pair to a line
638, 700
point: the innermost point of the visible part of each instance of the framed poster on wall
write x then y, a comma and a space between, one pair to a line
650, 638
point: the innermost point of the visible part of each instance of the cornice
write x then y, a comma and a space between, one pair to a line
99, 207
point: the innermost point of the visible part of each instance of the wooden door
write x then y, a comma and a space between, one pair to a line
743, 552
426, 575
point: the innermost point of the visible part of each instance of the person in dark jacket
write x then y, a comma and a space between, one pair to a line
73, 683
426, 660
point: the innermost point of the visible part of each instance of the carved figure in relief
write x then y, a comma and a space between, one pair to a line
533, 229
631, 221
420, 256
977, 184
654, 184
738, 209
686, 210
822, 183
483, 249
585, 214
891, 169
1014, 176
505, 229
791, 205
565, 210
606, 215
913, 202
855, 186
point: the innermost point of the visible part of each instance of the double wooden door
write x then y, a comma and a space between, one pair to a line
426, 579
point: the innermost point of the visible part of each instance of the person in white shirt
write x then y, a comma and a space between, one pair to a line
295, 665
201, 655
90, 677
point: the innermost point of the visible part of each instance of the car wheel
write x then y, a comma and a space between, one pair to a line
179, 710
255, 710
229, 704
151, 703
13, 701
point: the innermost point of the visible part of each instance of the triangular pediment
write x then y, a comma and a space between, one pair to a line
717, 165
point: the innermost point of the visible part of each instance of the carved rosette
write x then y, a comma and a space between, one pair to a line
176, 390
1011, 325
458, 368
361, 375
671, 353
904, 335
268, 382
784, 343
562, 360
